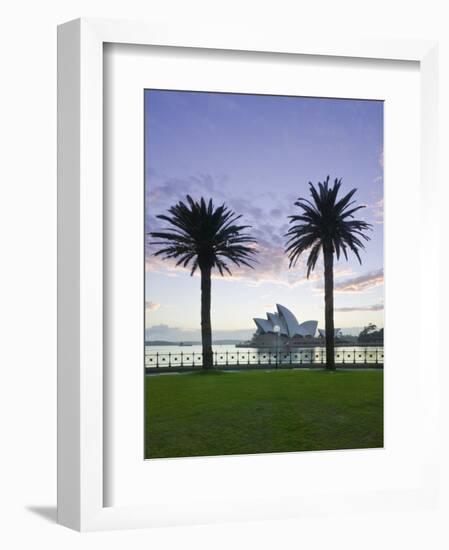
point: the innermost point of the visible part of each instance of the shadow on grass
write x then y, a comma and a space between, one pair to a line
208, 372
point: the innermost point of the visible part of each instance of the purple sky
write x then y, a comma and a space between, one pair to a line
257, 154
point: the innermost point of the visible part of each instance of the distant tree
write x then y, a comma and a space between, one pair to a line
368, 329
371, 334
326, 224
202, 236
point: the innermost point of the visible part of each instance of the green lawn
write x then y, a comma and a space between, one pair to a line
221, 413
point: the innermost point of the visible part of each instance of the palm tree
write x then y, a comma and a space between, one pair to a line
326, 224
204, 237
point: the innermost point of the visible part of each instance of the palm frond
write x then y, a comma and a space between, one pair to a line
325, 222
203, 236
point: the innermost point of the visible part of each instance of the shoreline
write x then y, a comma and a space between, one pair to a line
317, 345
151, 371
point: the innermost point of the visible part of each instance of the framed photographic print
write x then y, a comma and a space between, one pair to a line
233, 239
232, 276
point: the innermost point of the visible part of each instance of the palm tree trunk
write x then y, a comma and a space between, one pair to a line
206, 328
329, 306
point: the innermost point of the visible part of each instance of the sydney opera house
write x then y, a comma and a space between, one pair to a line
282, 328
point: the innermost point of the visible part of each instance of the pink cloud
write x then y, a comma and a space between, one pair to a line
361, 283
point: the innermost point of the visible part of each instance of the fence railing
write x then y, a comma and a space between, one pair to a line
264, 358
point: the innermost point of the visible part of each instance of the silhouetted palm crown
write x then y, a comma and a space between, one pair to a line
204, 236
326, 223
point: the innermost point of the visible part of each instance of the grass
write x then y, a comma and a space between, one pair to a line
221, 413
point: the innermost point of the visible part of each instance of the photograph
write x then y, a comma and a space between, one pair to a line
264, 273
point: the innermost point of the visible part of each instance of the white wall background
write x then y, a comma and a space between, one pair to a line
28, 267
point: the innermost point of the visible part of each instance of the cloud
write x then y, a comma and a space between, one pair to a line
380, 160
161, 328
271, 267
378, 211
361, 283
373, 307
271, 264
267, 217
267, 221
152, 306
160, 194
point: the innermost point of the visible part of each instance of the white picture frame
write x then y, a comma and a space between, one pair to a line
81, 404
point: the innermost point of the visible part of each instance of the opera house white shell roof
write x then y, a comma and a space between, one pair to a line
287, 323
